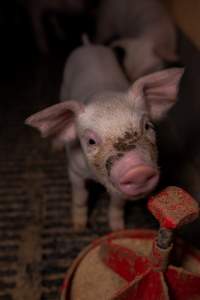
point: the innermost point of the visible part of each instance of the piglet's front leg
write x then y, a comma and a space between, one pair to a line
79, 202
116, 213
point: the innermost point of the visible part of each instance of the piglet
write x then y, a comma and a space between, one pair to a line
38, 9
106, 127
141, 32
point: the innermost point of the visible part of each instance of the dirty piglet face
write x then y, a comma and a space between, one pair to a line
123, 158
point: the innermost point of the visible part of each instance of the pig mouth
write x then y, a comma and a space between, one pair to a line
136, 181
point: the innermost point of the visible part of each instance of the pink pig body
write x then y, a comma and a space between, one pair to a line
106, 128
142, 29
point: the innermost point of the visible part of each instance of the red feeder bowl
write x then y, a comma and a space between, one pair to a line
134, 264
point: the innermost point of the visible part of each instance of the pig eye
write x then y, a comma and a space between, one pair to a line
92, 139
91, 142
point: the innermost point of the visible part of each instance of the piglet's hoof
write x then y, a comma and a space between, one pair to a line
79, 225
79, 228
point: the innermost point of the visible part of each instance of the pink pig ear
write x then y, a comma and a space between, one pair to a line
166, 53
157, 91
57, 121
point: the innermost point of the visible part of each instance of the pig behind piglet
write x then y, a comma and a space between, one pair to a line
141, 30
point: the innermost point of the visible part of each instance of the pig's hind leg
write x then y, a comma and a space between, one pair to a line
79, 202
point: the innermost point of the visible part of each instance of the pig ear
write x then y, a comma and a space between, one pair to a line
57, 121
157, 91
167, 51
166, 54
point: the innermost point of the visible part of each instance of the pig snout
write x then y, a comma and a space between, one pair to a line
132, 176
